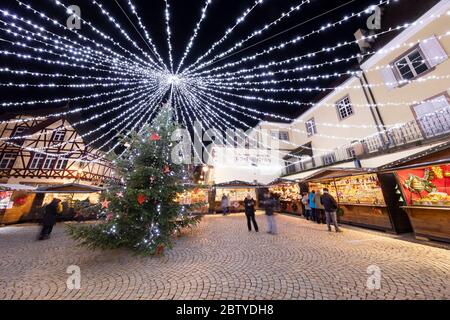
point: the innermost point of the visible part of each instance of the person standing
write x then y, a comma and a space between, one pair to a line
312, 205
225, 204
49, 220
249, 205
320, 210
269, 207
331, 207
305, 202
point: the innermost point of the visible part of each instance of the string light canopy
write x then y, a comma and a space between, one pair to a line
116, 73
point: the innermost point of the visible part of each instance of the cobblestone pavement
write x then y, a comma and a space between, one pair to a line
222, 260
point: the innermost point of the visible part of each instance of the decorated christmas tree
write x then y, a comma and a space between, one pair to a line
139, 208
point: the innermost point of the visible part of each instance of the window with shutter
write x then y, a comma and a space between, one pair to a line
433, 51
412, 65
389, 78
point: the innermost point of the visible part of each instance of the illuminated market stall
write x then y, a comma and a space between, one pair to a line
425, 184
71, 195
287, 193
16, 201
359, 194
236, 191
197, 197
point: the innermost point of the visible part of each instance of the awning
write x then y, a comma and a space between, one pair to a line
16, 187
429, 154
69, 188
238, 184
331, 173
281, 181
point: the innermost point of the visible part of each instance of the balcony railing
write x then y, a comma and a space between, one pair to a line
432, 126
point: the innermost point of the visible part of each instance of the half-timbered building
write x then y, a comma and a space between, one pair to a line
41, 151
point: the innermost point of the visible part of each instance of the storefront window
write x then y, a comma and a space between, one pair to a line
427, 186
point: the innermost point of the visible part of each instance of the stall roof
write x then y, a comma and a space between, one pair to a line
331, 173
439, 153
69, 188
16, 187
238, 184
281, 181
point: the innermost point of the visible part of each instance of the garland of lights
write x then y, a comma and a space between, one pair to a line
144, 80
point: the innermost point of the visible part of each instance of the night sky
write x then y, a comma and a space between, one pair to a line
184, 15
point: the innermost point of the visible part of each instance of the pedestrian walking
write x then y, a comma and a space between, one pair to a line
331, 207
225, 204
269, 206
49, 220
249, 204
312, 205
305, 202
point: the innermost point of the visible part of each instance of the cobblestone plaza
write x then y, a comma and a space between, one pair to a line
222, 260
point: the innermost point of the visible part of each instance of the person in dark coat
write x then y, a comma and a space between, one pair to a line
249, 205
331, 207
49, 220
269, 206
225, 204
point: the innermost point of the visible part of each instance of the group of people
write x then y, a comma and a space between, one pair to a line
269, 204
321, 208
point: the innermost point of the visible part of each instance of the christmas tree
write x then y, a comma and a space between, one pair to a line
140, 212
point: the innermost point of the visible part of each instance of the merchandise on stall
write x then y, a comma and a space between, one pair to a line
196, 196
288, 195
286, 192
5, 200
318, 186
235, 195
361, 189
426, 186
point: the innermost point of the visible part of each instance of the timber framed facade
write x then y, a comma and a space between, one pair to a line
39, 151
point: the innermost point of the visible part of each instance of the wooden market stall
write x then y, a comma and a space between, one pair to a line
236, 191
197, 197
287, 193
359, 193
424, 180
70, 195
15, 202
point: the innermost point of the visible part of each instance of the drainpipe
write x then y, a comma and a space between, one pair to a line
372, 105
374, 101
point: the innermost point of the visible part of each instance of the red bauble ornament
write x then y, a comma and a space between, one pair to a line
109, 217
159, 249
166, 169
141, 198
155, 137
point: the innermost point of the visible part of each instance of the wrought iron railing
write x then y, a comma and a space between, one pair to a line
431, 126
